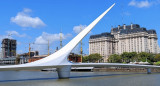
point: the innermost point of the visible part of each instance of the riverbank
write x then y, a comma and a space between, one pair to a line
110, 69
115, 69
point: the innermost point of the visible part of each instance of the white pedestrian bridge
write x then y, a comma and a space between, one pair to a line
59, 59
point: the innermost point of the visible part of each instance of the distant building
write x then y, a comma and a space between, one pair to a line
7, 61
8, 48
24, 58
32, 54
130, 38
35, 58
74, 57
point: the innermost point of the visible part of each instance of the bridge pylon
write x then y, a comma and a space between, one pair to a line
148, 70
64, 72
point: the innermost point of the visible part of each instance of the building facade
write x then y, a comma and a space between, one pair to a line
8, 48
74, 58
130, 38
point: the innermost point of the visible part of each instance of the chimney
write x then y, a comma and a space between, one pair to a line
111, 28
131, 26
124, 26
118, 27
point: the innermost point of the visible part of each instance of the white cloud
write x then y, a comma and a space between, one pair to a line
77, 49
43, 39
79, 28
139, 4
26, 10
142, 4
20, 51
23, 19
19, 43
2, 37
11, 33
126, 13
15, 33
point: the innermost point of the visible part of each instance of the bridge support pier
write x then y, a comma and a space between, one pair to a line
64, 72
148, 70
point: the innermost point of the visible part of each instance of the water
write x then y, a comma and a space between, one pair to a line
38, 78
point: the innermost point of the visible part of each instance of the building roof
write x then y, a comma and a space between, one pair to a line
5, 40
136, 29
106, 34
151, 32
41, 56
127, 27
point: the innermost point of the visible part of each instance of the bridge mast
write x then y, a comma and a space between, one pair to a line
61, 39
48, 47
29, 50
81, 46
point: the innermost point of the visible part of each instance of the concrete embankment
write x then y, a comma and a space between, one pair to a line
114, 69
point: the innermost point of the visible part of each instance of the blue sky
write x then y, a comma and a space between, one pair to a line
36, 21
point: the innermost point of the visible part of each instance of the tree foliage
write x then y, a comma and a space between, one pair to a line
114, 58
127, 57
92, 58
157, 63
143, 56
157, 57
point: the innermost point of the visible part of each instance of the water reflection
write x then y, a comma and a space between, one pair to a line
38, 78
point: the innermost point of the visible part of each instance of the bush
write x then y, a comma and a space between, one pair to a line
124, 63
157, 63
92, 58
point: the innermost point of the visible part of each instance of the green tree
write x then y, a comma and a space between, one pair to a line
157, 63
133, 56
151, 57
143, 56
92, 58
129, 57
114, 58
85, 59
157, 57
125, 57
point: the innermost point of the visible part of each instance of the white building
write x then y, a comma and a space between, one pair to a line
130, 38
